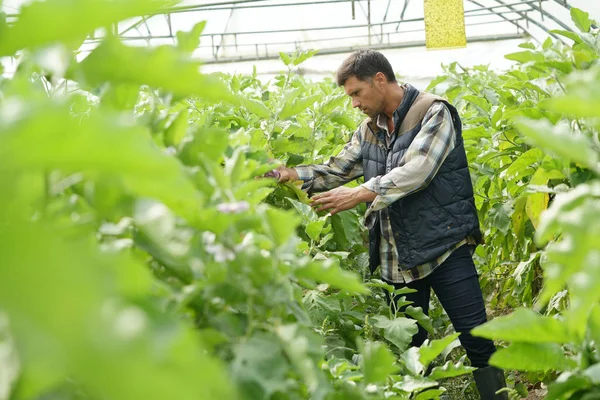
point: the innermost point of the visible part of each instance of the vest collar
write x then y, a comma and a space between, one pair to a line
410, 95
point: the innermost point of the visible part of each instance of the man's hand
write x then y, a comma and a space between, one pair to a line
282, 174
341, 199
287, 174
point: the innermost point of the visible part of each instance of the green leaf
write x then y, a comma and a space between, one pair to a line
432, 394
296, 188
189, 41
532, 357
568, 34
593, 373
574, 104
436, 81
314, 228
280, 224
434, 348
594, 324
518, 218
522, 166
161, 67
378, 362
206, 144
303, 56
341, 117
411, 384
259, 366
306, 212
566, 385
287, 60
525, 325
581, 19
476, 133
399, 331
525, 56
328, 271
100, 144
255, 107
121, 96
40, 289
480, 102
40, 23
560, 141
410, 359
538, 202
422, 319
176, 132
346, 229
527, 45
297, 105
450, 370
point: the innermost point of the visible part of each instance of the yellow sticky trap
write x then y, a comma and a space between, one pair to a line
444, 24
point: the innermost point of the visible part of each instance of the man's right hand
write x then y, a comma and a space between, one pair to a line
287, 174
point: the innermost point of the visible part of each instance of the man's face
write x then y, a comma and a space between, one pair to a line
366, 95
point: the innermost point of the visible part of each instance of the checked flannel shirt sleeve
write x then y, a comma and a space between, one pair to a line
421, 162
337, 171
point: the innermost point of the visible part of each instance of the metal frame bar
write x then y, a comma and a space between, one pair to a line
350, 49
201, 46
505, 10
381, 24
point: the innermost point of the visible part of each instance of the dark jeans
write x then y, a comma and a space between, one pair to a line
456, 284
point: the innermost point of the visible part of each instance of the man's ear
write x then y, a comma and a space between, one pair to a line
380, 79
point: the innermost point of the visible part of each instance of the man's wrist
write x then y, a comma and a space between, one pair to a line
365, 195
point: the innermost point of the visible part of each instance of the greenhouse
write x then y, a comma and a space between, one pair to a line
299, 199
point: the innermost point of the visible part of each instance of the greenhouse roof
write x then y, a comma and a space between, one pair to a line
252, 31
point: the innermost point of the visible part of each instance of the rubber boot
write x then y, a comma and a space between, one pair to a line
489, 380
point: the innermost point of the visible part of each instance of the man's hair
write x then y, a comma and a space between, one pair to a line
364, 64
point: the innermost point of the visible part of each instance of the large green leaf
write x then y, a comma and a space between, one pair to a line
434, 348
37, 291
525, 325
260, 366
411, 384
399, 330
280, 224
48, 137
45, 22
560, 141
538, 202
162, 67
581, 19
297, 105
329, 272
189, 41
432, 394
532, 357
525, 56
568, 34
418, 314
566, 385
378, 362
450, 370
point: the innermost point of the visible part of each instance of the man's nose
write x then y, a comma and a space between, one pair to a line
355, 103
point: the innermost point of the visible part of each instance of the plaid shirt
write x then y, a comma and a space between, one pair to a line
418, 166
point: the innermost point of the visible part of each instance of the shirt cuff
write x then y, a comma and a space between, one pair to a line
372, 185
304, 173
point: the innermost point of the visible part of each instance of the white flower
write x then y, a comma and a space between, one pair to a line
233, 208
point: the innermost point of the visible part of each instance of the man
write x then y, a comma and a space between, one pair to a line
422, 219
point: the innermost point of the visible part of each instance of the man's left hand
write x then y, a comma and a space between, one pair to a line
341, 199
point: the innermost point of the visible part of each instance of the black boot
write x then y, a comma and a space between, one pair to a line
489, 380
